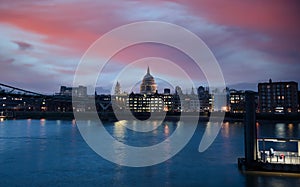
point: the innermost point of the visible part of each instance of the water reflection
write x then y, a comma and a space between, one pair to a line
65, 156
225, 129
119, 129
126, 135
280, 130
43, 128
166, 130
291, 130
141, 126
28, 127
73, 122
42, 121
259, 179
28, 121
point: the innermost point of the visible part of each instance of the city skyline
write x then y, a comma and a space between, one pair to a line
42, 42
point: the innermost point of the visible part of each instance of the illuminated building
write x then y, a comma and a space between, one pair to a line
118, 89
148, 85
204, 96
146, 102
237, 101
190, 102
168, 100
278, 97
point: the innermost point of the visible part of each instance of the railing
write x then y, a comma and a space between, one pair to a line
279, 157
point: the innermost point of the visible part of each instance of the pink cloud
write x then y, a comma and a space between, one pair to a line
243, 34
277, 21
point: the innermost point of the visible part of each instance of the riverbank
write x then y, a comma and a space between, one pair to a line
110, 116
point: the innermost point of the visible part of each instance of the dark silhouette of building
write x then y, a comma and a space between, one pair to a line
80, 91
178, 90
278, 97
204, 97
299, 103
167, 91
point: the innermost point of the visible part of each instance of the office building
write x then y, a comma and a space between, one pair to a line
278, 97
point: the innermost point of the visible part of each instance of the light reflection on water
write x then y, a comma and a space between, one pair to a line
53, 153
166, 130
286, 130
280, 130
226, 129
290, 130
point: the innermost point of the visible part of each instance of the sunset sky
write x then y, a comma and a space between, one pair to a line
42, 42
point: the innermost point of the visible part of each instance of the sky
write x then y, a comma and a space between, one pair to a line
42, 42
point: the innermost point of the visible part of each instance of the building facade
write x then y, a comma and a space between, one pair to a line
148, 85
80, 91
204, 98
237, 101
278, 97
146, 102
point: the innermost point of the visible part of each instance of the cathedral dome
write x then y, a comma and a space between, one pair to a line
148, 85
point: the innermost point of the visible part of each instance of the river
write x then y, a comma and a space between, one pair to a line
53, 153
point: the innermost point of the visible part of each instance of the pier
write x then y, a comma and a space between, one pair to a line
262, 158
